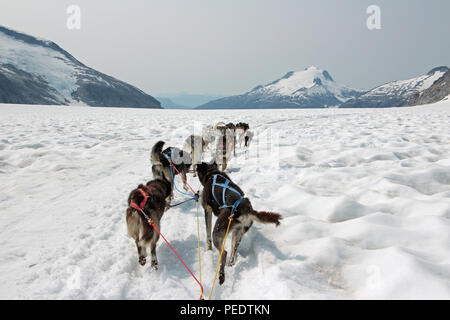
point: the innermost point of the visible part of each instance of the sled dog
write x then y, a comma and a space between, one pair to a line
224, 198
151, 199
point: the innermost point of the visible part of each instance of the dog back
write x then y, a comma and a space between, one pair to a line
218, 196
157, 190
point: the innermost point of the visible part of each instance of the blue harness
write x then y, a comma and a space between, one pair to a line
225, 186
173, 177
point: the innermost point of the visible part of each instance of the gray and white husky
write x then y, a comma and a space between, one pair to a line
161, 166
212, 198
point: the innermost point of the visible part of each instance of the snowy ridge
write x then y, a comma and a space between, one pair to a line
407, 86
56, 69
35, 71
397, 93
365, 195
310, 88
435, 93
311, 81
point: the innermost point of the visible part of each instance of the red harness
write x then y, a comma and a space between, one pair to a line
143, 202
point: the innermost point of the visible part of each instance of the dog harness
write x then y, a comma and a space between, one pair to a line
225, 186
169, 155
141, 206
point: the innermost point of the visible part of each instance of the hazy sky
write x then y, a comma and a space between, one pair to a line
230, 46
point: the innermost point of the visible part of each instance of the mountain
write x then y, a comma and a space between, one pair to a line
310, 88
189, 100
167, 103
397, 93
437, 92
37, 71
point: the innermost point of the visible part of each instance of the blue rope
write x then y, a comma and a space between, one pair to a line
175, 185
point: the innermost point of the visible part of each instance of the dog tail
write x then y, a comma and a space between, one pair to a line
266, 217
156, 152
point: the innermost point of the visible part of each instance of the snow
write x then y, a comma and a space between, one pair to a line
409, 86
53, 66
303, 84
299, 79
428, 82
365, 195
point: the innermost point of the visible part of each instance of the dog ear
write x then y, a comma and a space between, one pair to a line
214, 164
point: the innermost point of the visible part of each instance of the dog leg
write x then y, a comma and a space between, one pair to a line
208, 223
168, 176
224, 162
194, 162
153, 252
142, 252
236, 240
185, 187
219, 235
168, 200
222, 267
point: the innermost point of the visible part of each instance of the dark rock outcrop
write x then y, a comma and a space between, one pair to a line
20, 87
438, 91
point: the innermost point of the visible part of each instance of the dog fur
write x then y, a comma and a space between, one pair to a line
243, 219
161, 166
138, 227
226, 144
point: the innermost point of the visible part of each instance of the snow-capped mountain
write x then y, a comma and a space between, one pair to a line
37, 71
310, 88
440, 90
397, 93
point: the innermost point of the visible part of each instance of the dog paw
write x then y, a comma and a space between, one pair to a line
231, 263
221, 278
155, 265
142, 261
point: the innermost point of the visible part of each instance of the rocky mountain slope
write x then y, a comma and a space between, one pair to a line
437, 92
397, 93
37, 71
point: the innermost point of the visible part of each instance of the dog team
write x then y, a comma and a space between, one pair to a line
220, 195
